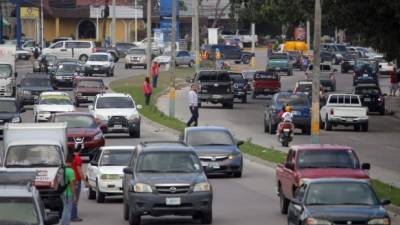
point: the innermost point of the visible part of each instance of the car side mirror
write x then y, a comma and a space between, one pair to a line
289, 166
139, 107
239, 143
366, 166
386, 202
51, 219
128, 170
90, 107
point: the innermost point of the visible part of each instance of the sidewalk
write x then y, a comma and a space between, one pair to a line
393, 106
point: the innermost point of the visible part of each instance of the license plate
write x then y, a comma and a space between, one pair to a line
117, 126
367, 99
216, 96
266, 90
173, 201
96, 68
204, 164
297, 113
365, 75
214, 166
286, 130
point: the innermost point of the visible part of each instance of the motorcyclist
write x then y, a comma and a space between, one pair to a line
287, 120
43, 64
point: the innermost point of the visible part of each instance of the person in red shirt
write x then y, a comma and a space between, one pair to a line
79, 176
393, 82
154, 73
147, 90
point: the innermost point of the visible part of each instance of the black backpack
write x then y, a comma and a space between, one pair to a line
62, 186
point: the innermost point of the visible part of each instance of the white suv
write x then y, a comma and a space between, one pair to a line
119, 112
71, 49
100, 63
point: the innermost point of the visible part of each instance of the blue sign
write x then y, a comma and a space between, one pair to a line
166, 8
166, 19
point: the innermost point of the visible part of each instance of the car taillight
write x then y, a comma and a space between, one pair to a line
332, 111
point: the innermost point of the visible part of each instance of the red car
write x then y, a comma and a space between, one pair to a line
86, 89
305, 162
84, 129
266, 83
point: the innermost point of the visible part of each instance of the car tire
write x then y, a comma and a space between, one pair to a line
266, 128
283, 204
206, 218
77, 104
364, 127
356, 127
126, 212
126, 66
91, 194
135, 134
382, 111
83, 58
328, 125
253, 96
100, 197
244, 99
199, 105
246, 60
133, 218
191, 64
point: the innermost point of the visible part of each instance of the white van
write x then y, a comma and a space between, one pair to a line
71, 49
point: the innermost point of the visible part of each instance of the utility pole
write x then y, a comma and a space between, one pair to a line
308, 35
136, 21
196, 34
172, 94
253, 45
148, 49
18, 23
1, 22
42, 25
316, 75
104, 20
113, 23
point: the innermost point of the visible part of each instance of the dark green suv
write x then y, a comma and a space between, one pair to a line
166, 178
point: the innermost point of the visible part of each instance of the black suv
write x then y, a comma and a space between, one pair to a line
166, 178
365, 72
229, 52
371, 96
215, 86
241, 86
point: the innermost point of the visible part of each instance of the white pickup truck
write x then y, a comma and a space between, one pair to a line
346, 110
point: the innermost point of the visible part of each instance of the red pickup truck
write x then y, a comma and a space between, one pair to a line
314, 161
266, 83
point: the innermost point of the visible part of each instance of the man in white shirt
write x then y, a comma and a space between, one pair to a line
193, 106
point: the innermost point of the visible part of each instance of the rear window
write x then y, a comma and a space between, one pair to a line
214, 76
327, 159
368, 91
278, 56
266, 76
344, 99
293, 100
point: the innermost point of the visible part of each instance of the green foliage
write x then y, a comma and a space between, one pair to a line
386, 191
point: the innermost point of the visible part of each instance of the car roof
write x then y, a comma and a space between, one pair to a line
36, 75
7, 99
105, 95
336, 180
54, 93
167, 146
207, 128
122, 147
320, 147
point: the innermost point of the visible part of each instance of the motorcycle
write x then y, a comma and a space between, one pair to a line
286, 133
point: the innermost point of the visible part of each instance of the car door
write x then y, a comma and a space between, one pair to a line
56, 49
287, 173
93, 169
128, 177
295, 210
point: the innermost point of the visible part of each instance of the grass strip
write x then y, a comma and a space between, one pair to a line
387, 191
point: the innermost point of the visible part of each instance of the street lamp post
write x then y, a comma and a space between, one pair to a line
41, 25
316, 75
172, 93
136, 21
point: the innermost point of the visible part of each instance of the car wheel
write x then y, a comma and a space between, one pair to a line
126, 211
246, 60
126, 66
100, 197
135, 134
272, 128
283, 204
356, 127
83, 58
190, 64
206, 218
199, 105
244, 99
238, 174
266, 128
364, 127
382, 111
133, 218
91, 194
328, 125
76, 103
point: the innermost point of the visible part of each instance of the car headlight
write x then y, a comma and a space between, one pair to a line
142, 188
204, 186
234, 155
27, 92
98, 136
379, 221
133, 116
43, 113
110, 176
16, 119
313, 221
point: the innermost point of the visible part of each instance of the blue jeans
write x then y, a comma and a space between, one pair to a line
155, 78
74, 212
66, 214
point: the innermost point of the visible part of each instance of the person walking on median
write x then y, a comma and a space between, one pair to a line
193, 106
147, 90
155, 68
79, 176
68, 196
393, 82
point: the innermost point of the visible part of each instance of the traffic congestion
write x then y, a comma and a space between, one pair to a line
74, 150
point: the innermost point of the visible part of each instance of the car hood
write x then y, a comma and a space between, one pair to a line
214, 150
55, 108
116, 112
333, 172
7, 116
37, 88
77, 132
170, 178
347, 213
90, 90
97, 63
112, 170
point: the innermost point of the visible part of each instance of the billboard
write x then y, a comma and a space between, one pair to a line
300, 34
29, 13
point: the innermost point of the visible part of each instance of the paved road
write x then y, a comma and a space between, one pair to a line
250, 200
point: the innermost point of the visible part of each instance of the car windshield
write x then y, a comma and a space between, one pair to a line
214, 76
18, 211
292, 100
33, 156
8, 107
137, 51
115, 157
248, 74
368, 91
90, 84
365, 67
278, 56
304, 88
340, 48
68, 68
55, 101
237, 77
77, 121
5, 70
209, 137
343, 193
266, 76
114, 102
168, 162
98, 58
327, 159
36, 82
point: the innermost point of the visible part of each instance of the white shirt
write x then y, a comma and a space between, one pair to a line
287, 117
193, 98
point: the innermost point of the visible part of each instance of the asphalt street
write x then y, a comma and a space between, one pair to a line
249, 200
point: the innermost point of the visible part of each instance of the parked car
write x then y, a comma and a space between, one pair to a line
51, 59
313, 161
10, 112
365, 71
105, 171
119, 112
123, 48
100, 63
229, 52
346, 110
23, 54
241, 86
327, 56
64, 74
266, 83
156, 49
49, 103
218, 151
327, 75
215, 86
76, 49
166, 178
182, 58
30, 87
371, 96
280, 63
300, 105
86, 89
136, 57
337, 201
